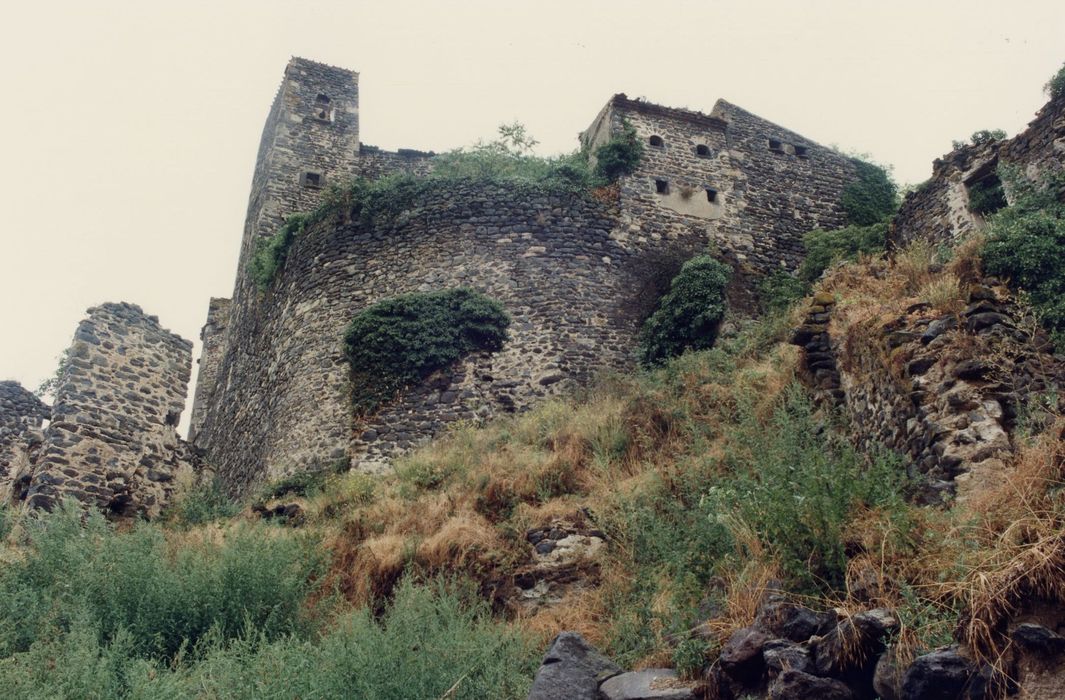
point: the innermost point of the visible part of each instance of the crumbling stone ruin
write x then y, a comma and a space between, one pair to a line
577, 274
111, 440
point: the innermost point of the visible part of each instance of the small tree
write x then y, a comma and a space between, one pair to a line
620, 155
688, 314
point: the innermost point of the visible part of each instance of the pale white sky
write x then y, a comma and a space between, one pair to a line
129, 129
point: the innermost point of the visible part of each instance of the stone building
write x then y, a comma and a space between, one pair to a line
577, 274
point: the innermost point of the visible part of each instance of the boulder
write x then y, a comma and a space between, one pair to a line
572, 669
796, 685
650, 684
741, 657
941, 675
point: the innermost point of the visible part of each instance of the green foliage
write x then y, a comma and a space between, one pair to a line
203, 503
49, 385
824, 248
987, 196
507, 161
872, 197
131, 588
1026, 244
980, 137
302, 483
399, 341
778, 291
430, 640
688, 314
620, 155
796, 486
1055, 87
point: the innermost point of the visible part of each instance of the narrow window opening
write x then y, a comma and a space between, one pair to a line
711, 194
657, 142
801, 151
322, 99
775, 145
662, 186
311, 180
702, 150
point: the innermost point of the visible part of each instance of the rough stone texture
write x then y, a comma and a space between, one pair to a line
941, 675
571, 670
576, 296
564, 558
577, 275
938, 210
914, 385
213, 335
649, 684
764, 200
112, 440
793, 684
22, 415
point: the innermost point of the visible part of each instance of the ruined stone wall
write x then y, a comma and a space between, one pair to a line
938, 210
213, 335
112, 439
22, 415
576, 295
943, 390
374, 163
717, 175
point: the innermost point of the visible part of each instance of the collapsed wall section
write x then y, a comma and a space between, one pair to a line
112, 440
22, 416
575, 293
940, 210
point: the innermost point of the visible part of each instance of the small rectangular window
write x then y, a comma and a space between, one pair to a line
801, 151
311, 179
775, 145
662, 186
711, 194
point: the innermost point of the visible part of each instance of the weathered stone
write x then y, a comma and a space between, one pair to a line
941, 675
796, 685
649, 684
571, 670
741, 657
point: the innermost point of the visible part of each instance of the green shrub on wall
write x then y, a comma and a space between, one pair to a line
872, 197
620, 155
1027, 245
400, 341
826, 247
689, 313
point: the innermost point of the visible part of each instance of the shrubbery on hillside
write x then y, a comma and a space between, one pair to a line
402, 340
872, 197
689, 313
1026, 244
826, 247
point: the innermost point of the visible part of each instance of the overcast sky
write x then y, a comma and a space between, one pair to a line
130, 129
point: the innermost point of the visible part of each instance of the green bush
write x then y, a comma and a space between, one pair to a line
689, 314
400, 341
824, 248
270, 253
987, 196
203, 503
1026, 244
1055, 87
778, 291
872, 197
796, 486
620, 155
131, 588
430, 640
980, 137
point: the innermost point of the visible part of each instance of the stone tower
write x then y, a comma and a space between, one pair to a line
311, 139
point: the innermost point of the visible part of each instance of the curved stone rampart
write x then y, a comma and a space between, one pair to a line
575, 291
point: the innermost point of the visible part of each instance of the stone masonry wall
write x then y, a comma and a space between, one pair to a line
575, 291
22, 415
112, 440
938, 210
722, 179
213, 335
943, 390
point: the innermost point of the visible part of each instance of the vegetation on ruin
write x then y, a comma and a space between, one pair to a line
980, 137
823, 248
1055, 87
1026, 245
507, 161
688, 315
399, 341
872, 197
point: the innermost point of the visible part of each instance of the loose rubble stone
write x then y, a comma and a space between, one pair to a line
649, 684
571, 670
